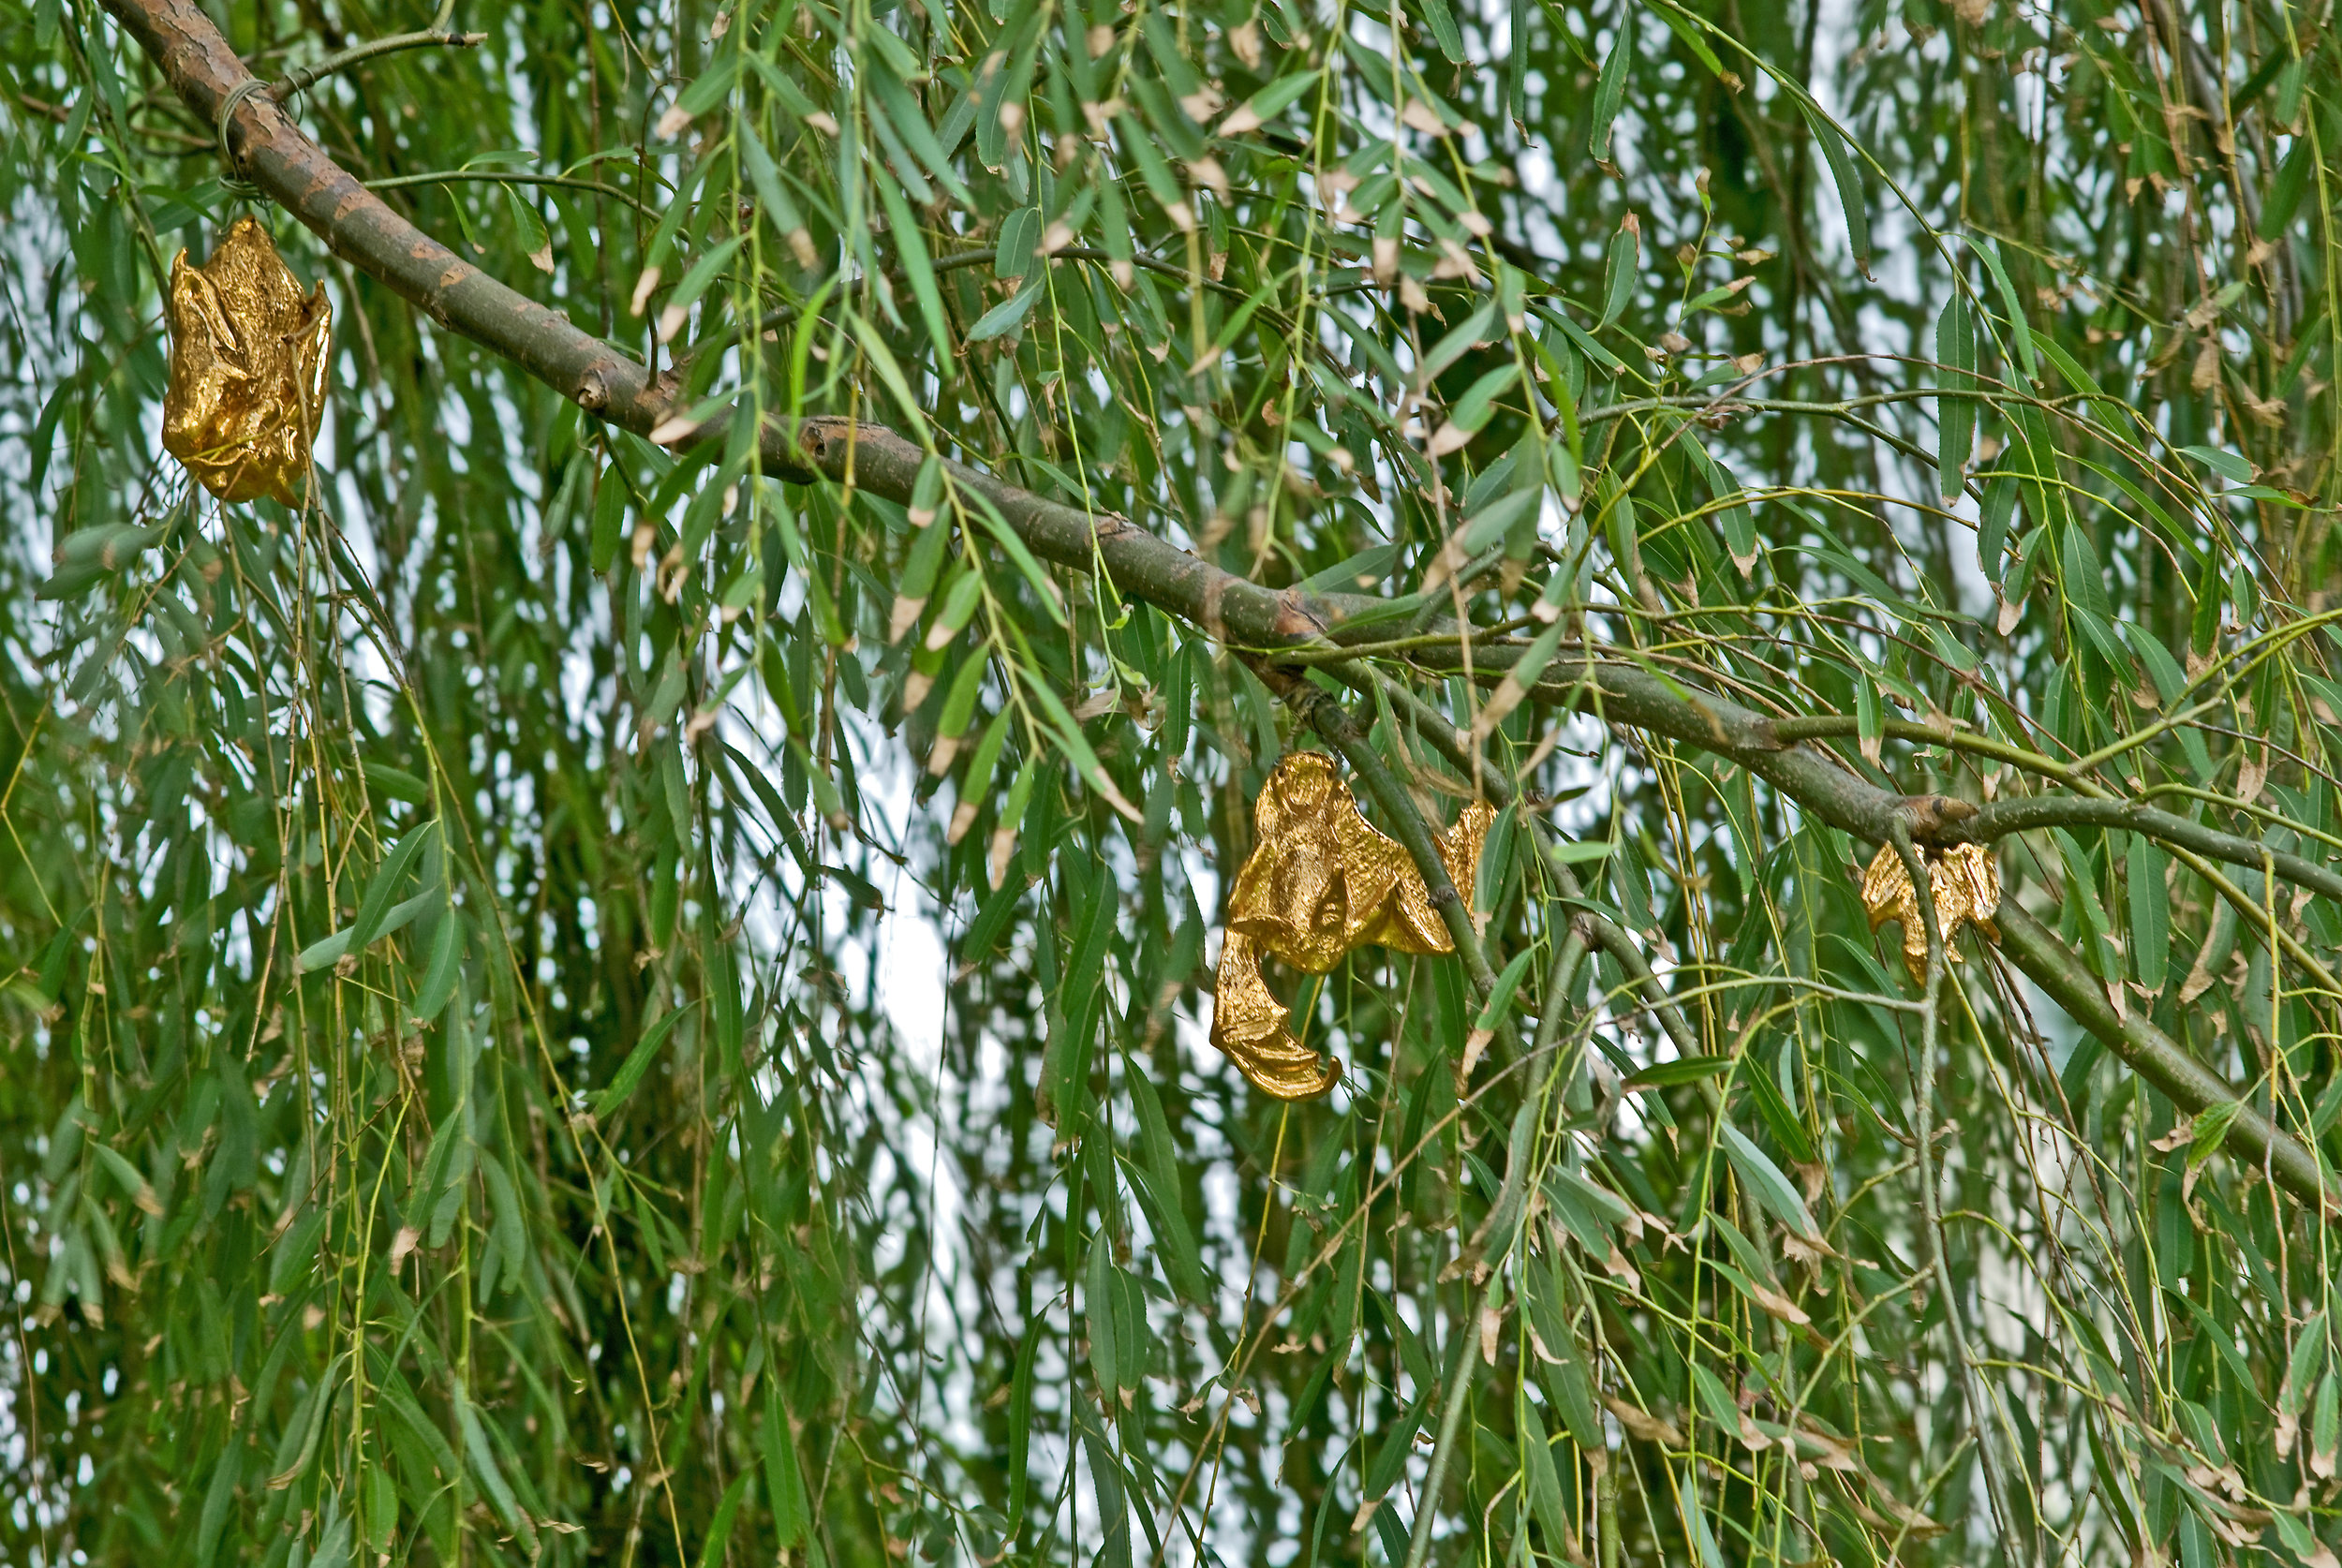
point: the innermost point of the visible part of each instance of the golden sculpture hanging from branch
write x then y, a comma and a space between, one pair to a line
1320, 882
248, 355
1966, 887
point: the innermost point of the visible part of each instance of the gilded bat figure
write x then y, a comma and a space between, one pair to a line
248, 356
1966, 887
1320, 882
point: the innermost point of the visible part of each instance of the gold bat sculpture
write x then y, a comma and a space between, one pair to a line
1966, 887
1320, 882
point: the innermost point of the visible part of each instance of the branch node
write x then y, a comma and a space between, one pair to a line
1296, 617
1932, 817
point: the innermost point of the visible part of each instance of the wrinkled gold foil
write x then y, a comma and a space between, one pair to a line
248, 354
1320, 882
1967, 885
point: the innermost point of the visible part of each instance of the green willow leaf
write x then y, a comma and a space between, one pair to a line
328, 951
784, 1480
1610, 93
1009, 313
1853, 194
1539, 1478
638, 1061
1618, 283
444, 970
1684, 1070
2150, 912
1766, 1183
1955, 416
375, 908
727, 1513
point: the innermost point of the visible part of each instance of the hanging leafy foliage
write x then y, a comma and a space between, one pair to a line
613, 960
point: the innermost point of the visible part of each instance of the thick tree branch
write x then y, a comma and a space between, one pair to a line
606, 380
1770, 748
1642, 698
601, 378
2158, 1058
2017, 815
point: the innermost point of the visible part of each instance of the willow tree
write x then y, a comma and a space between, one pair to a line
624, 968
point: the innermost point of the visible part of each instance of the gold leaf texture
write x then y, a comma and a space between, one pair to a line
1320, 882
1964, 881
248, 356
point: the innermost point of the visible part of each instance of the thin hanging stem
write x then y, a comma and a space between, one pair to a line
1923, 1092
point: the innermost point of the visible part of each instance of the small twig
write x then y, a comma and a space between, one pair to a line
1839, 726
2013, 814
1566, 957
437, 36
564, 182
783, 316
1089, 253
1344, 652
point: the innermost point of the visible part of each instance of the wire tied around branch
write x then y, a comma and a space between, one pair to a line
441, 34
233, 180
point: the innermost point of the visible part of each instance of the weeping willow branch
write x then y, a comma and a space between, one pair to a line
606, 381
198, 63
1761, 742
2161, 1059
